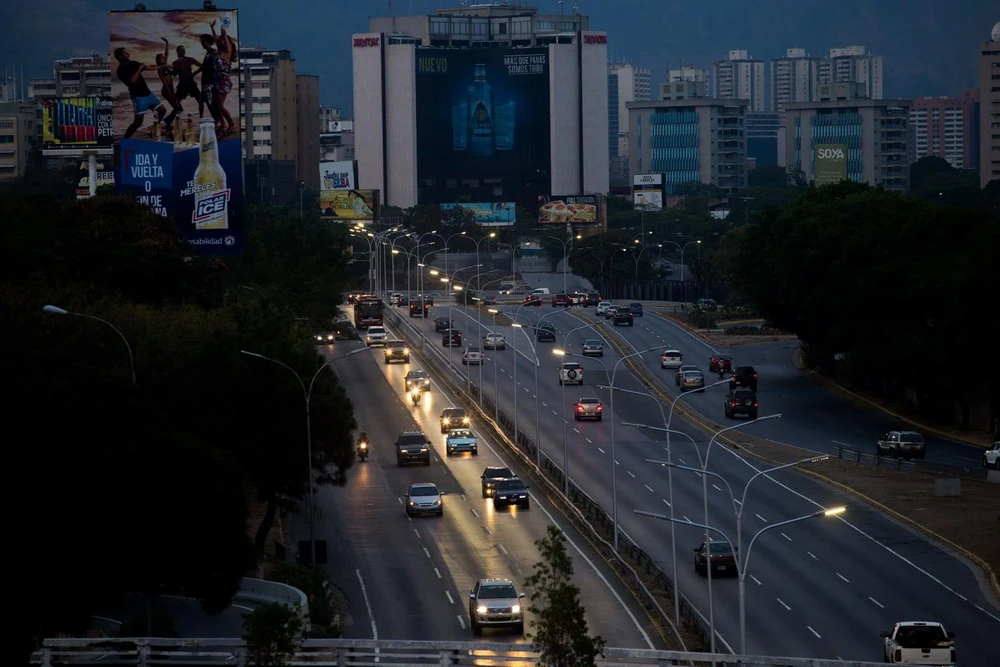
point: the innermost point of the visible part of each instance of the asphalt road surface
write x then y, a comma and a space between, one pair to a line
189, 618
821, 588
410, 578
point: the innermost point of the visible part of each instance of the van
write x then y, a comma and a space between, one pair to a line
540, 291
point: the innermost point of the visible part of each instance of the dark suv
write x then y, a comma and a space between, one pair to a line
442, 324
451, 338
623, 316
635, 309
491, 476
454, 418
509, 492
592, 299
545, 332
741, 402
744, 376
413, 446
563, 300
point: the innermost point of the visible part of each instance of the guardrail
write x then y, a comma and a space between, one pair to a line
267, 592
147, 652
911, 465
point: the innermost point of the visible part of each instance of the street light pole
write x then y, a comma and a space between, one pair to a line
307, 394
683, 248
565, 262
496, 383
56, 310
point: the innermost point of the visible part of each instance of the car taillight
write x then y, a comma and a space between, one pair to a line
899, 655
579, 408
755, 404
600, 407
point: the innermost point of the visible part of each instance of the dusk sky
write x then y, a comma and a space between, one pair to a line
929, 46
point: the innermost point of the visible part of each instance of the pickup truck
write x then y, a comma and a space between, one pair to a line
461, 440
919, 643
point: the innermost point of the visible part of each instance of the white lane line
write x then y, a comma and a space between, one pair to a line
601, 450
438, 573
618, 463
576, 429
812, 555
756, 580
417, 532
761, 518
649, 487
451, 600
846, 580
685, 518
464, 498
461, 621
105, 619
426, 552
488, 531
474, 512
818, 636
880, 605
589, 440
667, 502
738, 502
368, 604
500, 547
526, 389
782, 603
717, 487
545, 404
629, 472
786, 537
682, 461
554, 412
400, 500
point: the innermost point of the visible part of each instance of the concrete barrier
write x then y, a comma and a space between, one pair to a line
263, 591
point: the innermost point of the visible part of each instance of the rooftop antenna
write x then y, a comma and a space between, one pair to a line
392, 16
576, 9
561, 7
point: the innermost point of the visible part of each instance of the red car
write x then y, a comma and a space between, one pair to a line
533, 300
720, 363
563, 300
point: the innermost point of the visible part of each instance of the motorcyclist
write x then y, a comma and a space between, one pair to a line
415, 396
363, 445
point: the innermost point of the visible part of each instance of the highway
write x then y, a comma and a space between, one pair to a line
823, 588
410, 578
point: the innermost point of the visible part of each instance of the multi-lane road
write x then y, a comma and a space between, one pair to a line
819, 588
411, 578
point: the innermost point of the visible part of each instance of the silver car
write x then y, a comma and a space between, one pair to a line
680, 372
588, 408
495, 603
593, 348
424, 499
692, 380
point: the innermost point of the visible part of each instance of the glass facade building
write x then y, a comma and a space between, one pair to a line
673, 146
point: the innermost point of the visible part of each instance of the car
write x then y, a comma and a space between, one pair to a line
545, 333
424, 498
472, 356
623, 316
635, 309
495, 603
494, 341
720, 554
919, 643
488, 300
443, 324
375, 336
511, 491
397, 350
744, 376
420, 307
352, 297
491, 475
741, 401
588, 408
563, 300
707, 304
603, 307
592, 299
576, 298
413, 446
902, 445
451, 338
593, 348
692, 380
720, 363
394, 298
671, 359
570, 373
991, 457
610, 312
532, 300
454, 418
324, 337
681, 370
417, 380
461, 440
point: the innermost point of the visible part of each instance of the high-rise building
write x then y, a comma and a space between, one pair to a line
695, 139
739, 77
942, 126
852, 64
989, 113
626, 83
793, 78
483, 103
19, 130
74, 77
308, 128
687, 73
974, 136
844, 135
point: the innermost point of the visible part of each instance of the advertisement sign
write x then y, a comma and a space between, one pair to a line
829, 163
105, 176
349, 204
499, 214
338, 175
76, 122
647, 199
482, 113
175, 86
645, 180
583, 209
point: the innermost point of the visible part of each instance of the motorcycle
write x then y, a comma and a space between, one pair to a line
363, 450
415, 397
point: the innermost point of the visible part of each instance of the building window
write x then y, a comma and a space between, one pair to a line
439, 26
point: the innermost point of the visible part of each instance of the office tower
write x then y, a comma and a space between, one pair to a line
739, 77
942, 126
853, 64
989, 110
626, 83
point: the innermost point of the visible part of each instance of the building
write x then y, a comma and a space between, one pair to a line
793, 79
943, 126
989, 113
74, 77
849, 137
19, 131
739, 77
762, 137
626, 83
307, 123
512, 105
336, 144
10, 88
682, 90
695, 139
972, 97
328, 115
687, 73
852, 64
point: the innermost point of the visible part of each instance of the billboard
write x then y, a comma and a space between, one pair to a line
175, 87
105, 176
338, 175
482, 113
581, 209
829, 163
76, 122
349, 204
499, 214
646, 199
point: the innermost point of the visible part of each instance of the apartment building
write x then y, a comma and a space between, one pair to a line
793, 78
687, 73
989, 113
626, 83
944, 127
308, 127
74, 77
739, 77
18, 137
852, 64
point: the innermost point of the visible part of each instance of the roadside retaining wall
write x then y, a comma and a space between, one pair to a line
263, 591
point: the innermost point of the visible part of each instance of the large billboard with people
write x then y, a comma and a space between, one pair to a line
349, 204
175, 89
482, 113
490, 214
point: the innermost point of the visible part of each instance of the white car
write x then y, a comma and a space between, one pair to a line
603, 307
375, 336
472, 356
671, 359
571, 373
991, 457
494, 341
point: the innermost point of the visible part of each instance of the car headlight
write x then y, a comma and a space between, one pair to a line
423, 449
436, 503
481, 609
465, 420
516, 609
410, 503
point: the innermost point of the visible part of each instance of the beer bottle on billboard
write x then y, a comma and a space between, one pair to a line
189, 130
154, 131
211, 199
481, 129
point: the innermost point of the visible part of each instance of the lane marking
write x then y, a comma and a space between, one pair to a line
756, 580
461, 621
601, 450
842, 444
666, 501
786, 537
117, 622
554, 412
428, 553
464, 498
589, 440
717, 487
368, 604
649, 487
882, 606
618, 463
812, 555
438, 573
738, 502
474, 512
417, 533
576, 429
629, 472
682, 461
545, 404
685, 518
846, 580
399, 499
782, 603
761, 518
500, 547
818, 636
450, 599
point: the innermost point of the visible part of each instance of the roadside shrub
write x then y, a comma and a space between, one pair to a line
701, 318
315, 585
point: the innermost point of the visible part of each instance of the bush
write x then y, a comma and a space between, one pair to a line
701, 318
315, 585
271, 633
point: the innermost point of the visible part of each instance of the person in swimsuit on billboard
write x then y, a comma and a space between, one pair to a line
185, 68
166, 74
130, 73
227, 53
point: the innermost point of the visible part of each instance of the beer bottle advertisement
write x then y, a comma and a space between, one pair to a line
175, 83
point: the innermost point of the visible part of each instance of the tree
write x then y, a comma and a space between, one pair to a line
560, 631
271, 634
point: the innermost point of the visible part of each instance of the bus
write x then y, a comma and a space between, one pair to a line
367, 311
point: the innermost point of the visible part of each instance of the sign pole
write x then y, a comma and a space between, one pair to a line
92, 173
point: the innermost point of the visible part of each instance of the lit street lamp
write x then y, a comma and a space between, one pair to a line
56, 310
565, 245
